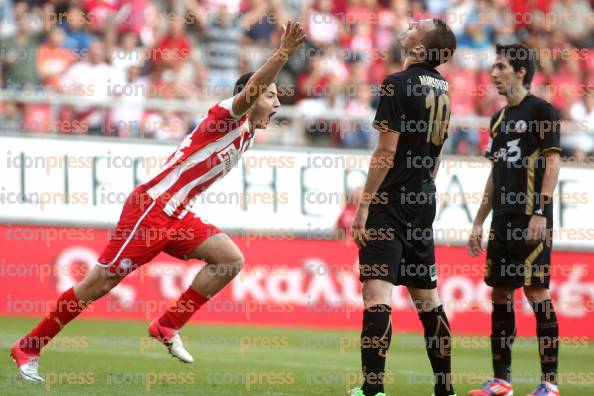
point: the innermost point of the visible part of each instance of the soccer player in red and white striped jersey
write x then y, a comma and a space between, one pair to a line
156, 217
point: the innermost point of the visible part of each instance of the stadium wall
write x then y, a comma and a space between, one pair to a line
296, 275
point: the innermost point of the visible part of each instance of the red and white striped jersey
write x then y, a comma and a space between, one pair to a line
205, 155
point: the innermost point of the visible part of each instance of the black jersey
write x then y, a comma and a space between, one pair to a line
414, 102
519, 136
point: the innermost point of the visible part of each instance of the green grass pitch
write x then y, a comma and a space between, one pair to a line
93, 357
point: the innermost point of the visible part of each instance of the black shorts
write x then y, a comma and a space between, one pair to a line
511, 263
400, 248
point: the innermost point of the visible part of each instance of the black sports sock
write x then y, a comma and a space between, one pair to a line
503, 334
375, 341
547, 331
438, 341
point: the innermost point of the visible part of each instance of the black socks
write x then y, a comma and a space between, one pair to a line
375, 341
503, 333
547, 331
438, 341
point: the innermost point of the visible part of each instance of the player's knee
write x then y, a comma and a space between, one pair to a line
536, 294
502, 296
375, 294
229, 265
236, 263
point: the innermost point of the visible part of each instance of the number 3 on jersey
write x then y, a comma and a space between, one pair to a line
438, 120
513, 151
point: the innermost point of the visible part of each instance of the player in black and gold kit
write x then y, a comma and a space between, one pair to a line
393, 226
524, 150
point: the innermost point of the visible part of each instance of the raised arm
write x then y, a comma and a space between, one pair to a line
292, 37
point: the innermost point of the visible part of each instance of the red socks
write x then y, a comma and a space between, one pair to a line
188, 303
66, 309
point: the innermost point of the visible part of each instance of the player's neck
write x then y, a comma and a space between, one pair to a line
408, 62
517, 96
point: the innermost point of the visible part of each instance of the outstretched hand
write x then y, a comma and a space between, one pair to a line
292, 37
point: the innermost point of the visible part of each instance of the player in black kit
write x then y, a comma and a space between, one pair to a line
393, 226
524, 150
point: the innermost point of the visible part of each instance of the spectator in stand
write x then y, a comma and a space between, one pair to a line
133, 16
174, 47
89, 78
128, 53
53, 58
6, 18
99, 12
354, 42
222, 34
127, 117
152, 26
222, 31
231, 6
322, 89
322, 26
582, 111
574, 19
75, 25
418, 11
11, 119
360, 44
295, 9
262, 20
388, 22
476, 41
356, 134
199, 90
18, 56
324, 78
462, 84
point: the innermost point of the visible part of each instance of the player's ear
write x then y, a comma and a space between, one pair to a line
420, 51
521, 73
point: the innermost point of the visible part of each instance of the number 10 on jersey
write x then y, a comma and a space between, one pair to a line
438, 120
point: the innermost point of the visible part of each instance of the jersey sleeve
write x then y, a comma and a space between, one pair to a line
549, 128
219, 121
224, 110
390, 110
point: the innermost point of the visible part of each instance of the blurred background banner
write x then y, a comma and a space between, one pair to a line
273, 190
295, 282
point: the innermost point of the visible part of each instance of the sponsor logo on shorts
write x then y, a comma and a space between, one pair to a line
433, 272
125, 264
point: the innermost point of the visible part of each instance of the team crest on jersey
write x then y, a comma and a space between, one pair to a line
521, 126
228, 158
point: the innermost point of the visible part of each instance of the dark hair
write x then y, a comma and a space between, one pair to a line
440, 43
242, 82
519, 56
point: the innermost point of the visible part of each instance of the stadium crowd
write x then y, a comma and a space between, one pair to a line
135, 50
